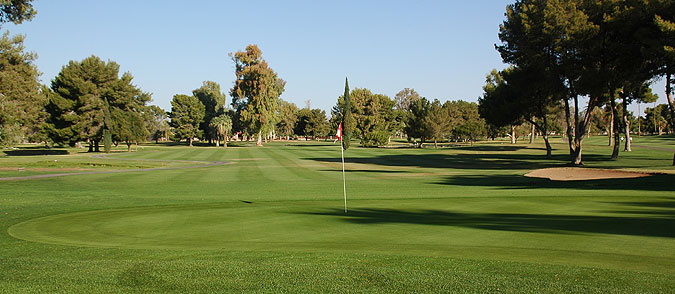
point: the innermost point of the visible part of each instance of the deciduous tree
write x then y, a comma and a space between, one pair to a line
256, 91
288, 117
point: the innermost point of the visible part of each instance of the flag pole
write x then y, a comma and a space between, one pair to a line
344, 182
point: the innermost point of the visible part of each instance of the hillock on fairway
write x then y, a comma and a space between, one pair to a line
457, 219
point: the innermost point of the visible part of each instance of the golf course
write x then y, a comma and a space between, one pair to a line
460, 219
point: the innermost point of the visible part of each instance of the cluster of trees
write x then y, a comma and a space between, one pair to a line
376, 118
561, 51
22, 97
87, 101
658, 120
257, 111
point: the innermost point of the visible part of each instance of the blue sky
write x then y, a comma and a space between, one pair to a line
443, 49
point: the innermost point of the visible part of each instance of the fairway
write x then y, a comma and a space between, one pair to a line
272, 220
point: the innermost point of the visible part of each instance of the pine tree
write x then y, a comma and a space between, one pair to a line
186, 115
347, 120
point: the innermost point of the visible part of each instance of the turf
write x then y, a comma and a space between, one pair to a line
458, 219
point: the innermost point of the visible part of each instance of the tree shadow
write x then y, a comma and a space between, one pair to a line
489, 161
35, 152
664, 208
310, 144
497, 148
535, 223
657, 182
365, 171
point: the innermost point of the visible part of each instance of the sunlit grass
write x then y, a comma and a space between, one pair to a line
460, 219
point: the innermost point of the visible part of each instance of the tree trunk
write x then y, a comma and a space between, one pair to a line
617, 136
548, 146
435, 144
532, 131
513, 134
91, 146
96, 146
576, 160
259, 142
544, 130
568, 118
190, 142
610, 133
580, 127
225, 141
128, 146
638, 120
626, 125
671, 103
217, 142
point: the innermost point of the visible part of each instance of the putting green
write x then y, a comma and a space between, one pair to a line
408, 227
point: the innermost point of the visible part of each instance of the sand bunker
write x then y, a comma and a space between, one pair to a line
580, 174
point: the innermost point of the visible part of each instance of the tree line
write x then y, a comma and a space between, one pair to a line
559, 51
562, 51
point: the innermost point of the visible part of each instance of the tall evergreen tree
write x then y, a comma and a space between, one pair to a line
414, 126
77, 107
288, 116
209, 94
256, 91
438, 122
90, 99
16, 11
347, 119
21, 98
186, 115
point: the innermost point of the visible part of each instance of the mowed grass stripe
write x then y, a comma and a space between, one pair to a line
250, 171
464, 228
269, 169
294, 165
314, 158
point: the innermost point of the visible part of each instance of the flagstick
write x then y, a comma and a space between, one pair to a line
344, 182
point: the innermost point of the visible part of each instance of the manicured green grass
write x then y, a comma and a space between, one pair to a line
461, 219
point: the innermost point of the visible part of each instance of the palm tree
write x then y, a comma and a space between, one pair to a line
223, 125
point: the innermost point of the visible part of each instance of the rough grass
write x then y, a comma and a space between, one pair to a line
459, 219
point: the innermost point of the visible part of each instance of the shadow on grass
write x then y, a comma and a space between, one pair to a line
310, 144
35, 152
659, 182
365, 171
490, 161
497, 148
536, 223
665, 208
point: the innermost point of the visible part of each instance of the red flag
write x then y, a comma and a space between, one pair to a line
338, 135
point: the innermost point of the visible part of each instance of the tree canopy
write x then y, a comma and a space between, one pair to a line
186, 115
256, 91
22, 98
213, 99
83, 91
16, 11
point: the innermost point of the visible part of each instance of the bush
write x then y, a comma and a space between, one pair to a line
375, 139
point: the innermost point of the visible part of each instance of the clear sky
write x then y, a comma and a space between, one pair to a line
443, 49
